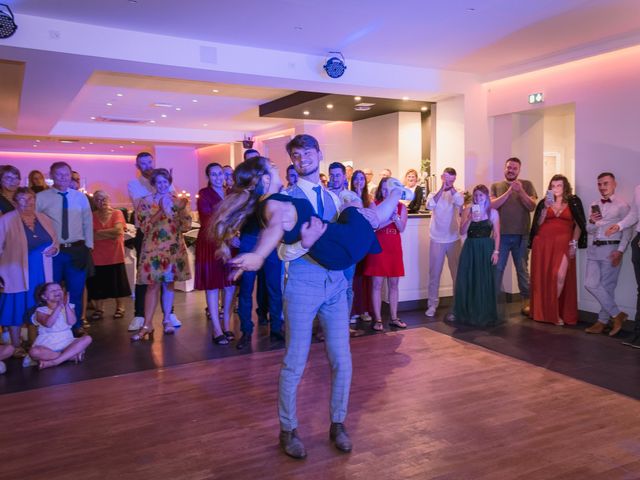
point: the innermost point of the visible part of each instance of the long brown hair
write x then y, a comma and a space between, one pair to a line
366, 200
566, 186
241, 203
379, 189
483, 188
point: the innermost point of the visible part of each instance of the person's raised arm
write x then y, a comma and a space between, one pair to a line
498, 201
465, 221
528, 199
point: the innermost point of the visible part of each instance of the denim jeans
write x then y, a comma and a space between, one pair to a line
517, 246
272, 270
74, 279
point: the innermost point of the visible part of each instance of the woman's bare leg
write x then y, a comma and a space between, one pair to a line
75, 348
226, 307
212, 303
392, 282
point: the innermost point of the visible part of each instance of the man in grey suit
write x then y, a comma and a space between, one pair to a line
311, 290
604, 253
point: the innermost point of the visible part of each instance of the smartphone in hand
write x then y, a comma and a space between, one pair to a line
550, 197
595, 209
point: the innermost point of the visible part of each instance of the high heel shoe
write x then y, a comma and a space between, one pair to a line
142, 333
168, 329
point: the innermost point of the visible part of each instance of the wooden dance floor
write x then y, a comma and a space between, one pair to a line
423, 406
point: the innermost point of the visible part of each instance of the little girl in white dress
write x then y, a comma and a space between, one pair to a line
55, 342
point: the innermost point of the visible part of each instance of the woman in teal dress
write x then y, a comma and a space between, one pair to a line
475, 301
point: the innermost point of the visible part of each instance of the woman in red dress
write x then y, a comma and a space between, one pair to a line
211, 273
388, 264
558, 230
361, 284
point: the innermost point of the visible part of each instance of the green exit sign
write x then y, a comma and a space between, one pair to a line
536, 98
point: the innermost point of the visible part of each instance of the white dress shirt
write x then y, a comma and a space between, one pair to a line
445, 224
288, 253
632, 217
612, 213
80, 217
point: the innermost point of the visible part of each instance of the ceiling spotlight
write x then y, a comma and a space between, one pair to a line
306, 112
178, 109
38, 140
132, 141
90, 143
152, 121
7, 24
215, 90
82, 148
424, 109
405, 98
194, 100
357, 99
329, 106
112, 150
93, 118
205, 124
35, 145
119, 95
121, 146
164, 115
109, 104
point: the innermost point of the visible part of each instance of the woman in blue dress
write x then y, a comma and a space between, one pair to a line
335, 246
475, 301
27, 243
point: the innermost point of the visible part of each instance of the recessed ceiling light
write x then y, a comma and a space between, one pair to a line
93, 118
194, 100
424, 109
119, 95
329, 106
405, 98
164, 115
132, 141
152, 121
38, 140
121, 146
306, 112
205, 124
66, 140
109, 104
162, 105
90, 143
82, 148
35, 145
178, 109
215, 90
112, 150
357, 99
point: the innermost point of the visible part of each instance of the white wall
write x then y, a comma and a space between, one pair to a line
448, 147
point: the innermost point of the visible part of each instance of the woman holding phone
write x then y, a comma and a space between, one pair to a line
475, 301
558, 230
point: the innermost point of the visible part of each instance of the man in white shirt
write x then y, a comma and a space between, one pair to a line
444, 231
604, 254
311, 290
70, 212
139, 188
629, 221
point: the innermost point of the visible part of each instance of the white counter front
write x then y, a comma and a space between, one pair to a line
415, 248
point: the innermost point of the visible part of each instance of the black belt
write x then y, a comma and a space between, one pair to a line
79, 243
598, 243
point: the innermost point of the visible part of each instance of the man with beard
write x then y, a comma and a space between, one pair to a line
514, 199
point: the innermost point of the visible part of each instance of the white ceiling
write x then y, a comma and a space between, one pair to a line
60, 92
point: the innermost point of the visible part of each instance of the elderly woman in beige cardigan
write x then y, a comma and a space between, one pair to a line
27, 243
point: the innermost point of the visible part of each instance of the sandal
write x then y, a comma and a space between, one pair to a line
377, 326
396, 322
229, 334
19, 352
220, 340
142, 333
119, 313
97, 315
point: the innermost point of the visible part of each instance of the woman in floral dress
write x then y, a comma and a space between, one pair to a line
163, 217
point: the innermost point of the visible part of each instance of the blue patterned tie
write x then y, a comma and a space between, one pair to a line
65, 216
318, 190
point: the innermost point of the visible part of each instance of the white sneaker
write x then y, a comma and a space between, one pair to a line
174, 321
407, 193
354, 319
431, 311
136, 324
3, 368
28, 362
366, 317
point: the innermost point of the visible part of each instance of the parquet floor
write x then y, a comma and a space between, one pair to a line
423, 406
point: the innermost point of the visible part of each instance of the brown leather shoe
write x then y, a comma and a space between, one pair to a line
596, 328
618, 322
526, 307
339, 437
292, 445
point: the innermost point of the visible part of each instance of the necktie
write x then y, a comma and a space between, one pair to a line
605, 200
65, 216
318, 190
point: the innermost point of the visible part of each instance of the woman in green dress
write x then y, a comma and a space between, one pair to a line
475, 301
